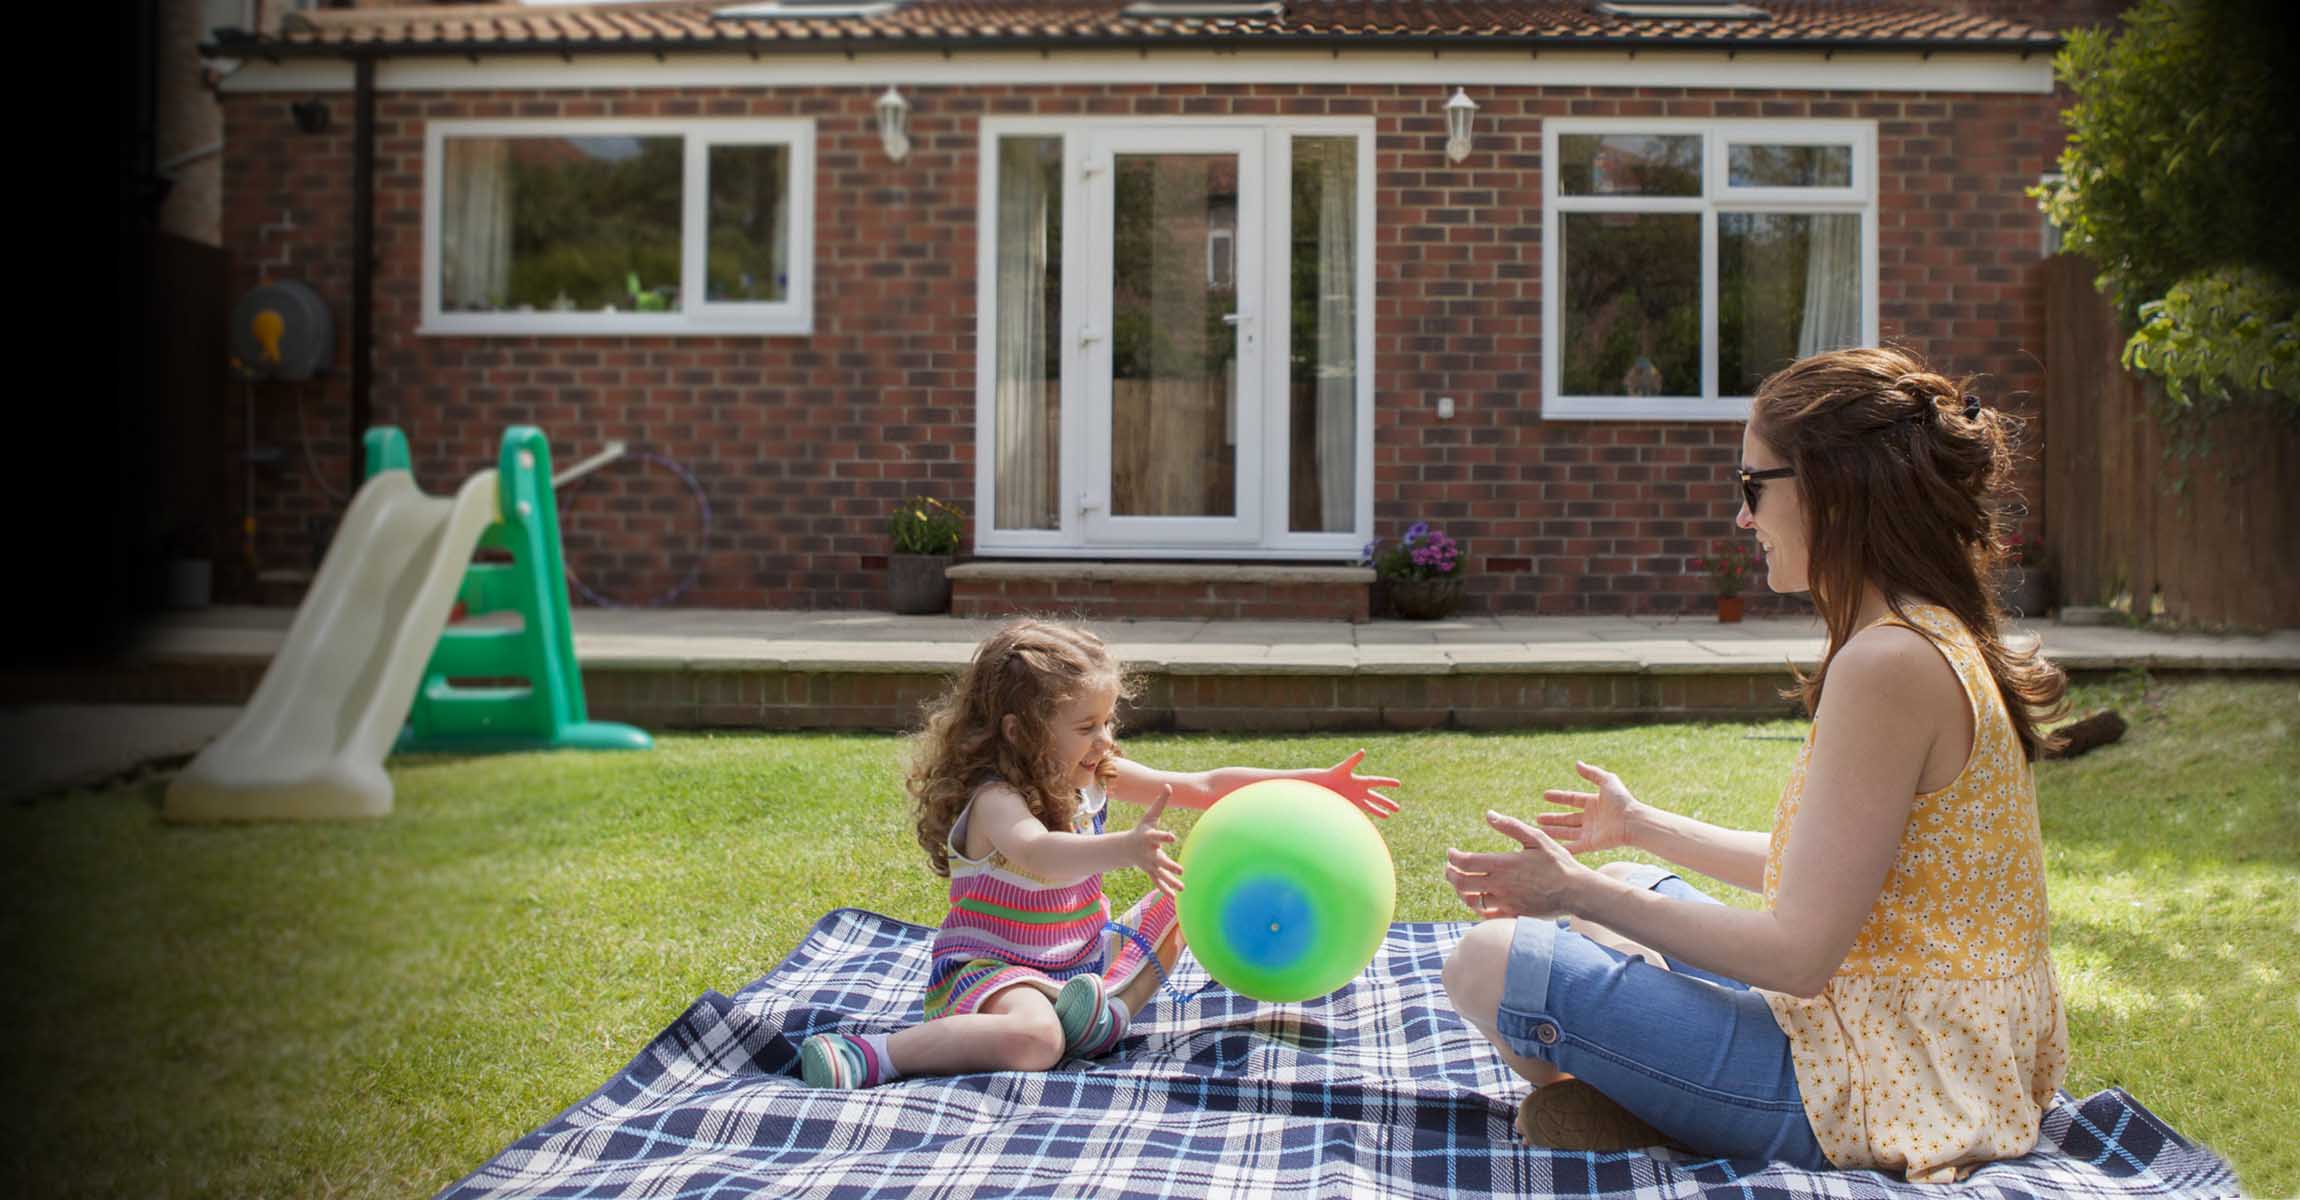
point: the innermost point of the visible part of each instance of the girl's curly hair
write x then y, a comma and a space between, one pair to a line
1026, 670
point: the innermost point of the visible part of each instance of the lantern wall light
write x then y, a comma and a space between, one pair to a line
894, 124
1458, 112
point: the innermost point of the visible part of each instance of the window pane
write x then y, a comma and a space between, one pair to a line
1174, 356
1629, 164
1788, 285
1027, 357
749, 224
1632, 303
586, 224
1322, 364
1788, 166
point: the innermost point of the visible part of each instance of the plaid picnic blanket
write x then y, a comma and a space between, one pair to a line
1378, 1090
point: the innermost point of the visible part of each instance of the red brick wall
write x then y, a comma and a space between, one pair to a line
803, 443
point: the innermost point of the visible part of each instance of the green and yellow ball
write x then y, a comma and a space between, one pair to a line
1287, 891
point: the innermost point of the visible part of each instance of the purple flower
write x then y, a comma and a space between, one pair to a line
1416, 530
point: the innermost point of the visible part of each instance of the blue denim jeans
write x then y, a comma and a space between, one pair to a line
1696, 1055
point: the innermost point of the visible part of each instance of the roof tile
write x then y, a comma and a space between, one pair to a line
454, 29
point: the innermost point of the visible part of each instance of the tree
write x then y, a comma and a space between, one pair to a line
2182, 132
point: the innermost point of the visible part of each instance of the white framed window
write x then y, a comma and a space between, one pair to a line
637, 226
1683, 261
2048, 241
1177, 323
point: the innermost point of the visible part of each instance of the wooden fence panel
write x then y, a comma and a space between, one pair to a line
2222, 549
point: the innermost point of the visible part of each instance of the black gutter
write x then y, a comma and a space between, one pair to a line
252, 46
362, 260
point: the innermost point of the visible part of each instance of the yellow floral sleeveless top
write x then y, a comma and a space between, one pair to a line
1942, 1037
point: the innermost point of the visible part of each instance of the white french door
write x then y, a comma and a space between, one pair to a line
1174, 339
1171, 340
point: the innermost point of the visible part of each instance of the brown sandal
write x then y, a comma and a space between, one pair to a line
1572, 1115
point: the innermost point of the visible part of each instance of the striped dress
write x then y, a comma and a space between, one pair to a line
1007, 926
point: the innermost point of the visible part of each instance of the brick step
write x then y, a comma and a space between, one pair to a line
1213, 591
1225, 697
890, 695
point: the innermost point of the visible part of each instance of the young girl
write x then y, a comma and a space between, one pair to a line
1012, 779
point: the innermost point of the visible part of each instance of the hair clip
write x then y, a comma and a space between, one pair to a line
1972, 406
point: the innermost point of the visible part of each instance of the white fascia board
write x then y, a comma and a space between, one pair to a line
1844, 71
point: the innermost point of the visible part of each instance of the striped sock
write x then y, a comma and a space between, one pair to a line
839, 1060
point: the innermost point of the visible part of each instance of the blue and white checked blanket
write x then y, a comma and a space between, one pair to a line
1378, 1090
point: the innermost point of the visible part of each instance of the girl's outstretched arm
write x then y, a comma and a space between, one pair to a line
1068, 857
1137, 784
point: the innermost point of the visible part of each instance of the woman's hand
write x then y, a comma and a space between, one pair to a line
1532, 882
1146, 847
1602, 822
1342, 779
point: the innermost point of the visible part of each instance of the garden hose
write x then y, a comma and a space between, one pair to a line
694, 572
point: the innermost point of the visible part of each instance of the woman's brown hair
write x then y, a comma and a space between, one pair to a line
1905, 480
1027, 670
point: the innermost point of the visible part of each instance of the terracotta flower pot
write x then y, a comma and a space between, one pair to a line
1426, 599
1728, 608
916, 584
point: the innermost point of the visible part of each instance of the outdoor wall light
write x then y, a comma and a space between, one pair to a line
893, 122
1458, 112
310, 115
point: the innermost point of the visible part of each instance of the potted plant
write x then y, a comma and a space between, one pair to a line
925, 537
2024, 586
1422, 572
1728, 566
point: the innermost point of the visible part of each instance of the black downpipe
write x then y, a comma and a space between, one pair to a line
362, 259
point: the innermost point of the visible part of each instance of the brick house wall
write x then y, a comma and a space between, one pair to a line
804, 443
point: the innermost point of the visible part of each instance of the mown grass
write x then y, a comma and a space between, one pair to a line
353, 1010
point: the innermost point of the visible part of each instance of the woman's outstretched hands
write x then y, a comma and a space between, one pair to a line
1342, 779
1530, 882
1146, 847
1602, 819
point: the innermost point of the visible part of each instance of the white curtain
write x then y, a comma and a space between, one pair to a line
475, 240
1832, 285
1337, 335
780, 260
1025, 470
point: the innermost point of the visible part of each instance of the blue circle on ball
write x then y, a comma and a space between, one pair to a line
1269, 922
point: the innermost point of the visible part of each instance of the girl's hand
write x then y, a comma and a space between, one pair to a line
1603, 820
1357, 789
1146, 847
1532, 882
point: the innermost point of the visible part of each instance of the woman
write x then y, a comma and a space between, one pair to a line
1893, 1004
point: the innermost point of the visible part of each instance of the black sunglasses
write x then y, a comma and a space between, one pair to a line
1753, 482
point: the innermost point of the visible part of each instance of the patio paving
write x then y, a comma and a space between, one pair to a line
613, 639
52, 748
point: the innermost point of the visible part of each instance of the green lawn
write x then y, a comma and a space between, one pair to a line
374, 1009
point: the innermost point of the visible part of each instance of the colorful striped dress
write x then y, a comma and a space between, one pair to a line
1007, 926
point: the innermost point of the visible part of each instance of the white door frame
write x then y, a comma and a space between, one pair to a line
1082, 247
